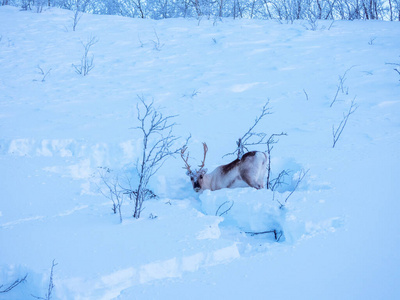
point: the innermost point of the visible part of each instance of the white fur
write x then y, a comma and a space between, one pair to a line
249, 171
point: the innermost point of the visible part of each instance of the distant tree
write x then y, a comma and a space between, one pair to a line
284, 10
78, 7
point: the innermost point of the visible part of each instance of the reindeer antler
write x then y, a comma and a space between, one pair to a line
187, 167
205, 153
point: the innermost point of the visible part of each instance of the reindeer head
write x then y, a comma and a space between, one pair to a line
196, 176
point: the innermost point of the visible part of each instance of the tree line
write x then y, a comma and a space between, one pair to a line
283, 10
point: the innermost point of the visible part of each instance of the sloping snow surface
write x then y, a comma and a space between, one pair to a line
338, 232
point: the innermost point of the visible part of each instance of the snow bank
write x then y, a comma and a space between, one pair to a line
247, 209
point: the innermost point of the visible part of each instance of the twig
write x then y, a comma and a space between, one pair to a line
243, 142
395, 69
115, 192
77, 16
43, 73
277, 234
304, 91
271, 141
340, 86
157, 43
224, 212
278, 180
336, 133
51, 284
301, 177
13, 285
154, 151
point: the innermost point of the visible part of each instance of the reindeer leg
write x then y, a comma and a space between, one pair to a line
251, 182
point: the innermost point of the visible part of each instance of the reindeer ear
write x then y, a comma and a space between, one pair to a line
188, 173
204, 171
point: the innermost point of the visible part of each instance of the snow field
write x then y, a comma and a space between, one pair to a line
341, 230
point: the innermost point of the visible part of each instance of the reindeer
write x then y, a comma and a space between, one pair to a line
249, 171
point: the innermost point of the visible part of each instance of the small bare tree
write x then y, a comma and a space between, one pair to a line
251, 138
338, 131
270, 142
157, 146
39, 5
77, 16
86, 62
50, 287
340, 86
113, 190
157, 43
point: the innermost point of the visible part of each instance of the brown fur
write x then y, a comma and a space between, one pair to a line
227, 168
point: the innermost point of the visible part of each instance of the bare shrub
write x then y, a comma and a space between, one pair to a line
77, 16
43, 73
86, 61
51, 286
112, 191
341, 87
251, 138
157, 147
157, 45
338, 131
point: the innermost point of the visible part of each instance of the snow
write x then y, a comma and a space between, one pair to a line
340, 228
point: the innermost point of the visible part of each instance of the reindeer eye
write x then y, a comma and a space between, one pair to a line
201, 176
191, 178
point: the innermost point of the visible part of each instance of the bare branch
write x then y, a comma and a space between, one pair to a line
158, 142
42, 72
305, 93
270, 142
244, 142
397, 69
336, 133
225, 211
265, 111
277, 234
115, 191
278, 181
77, 16
86, 62
300, 179
157, 44
340, 86
12, 285
51, 284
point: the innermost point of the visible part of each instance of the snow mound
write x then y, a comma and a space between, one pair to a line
247, 209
